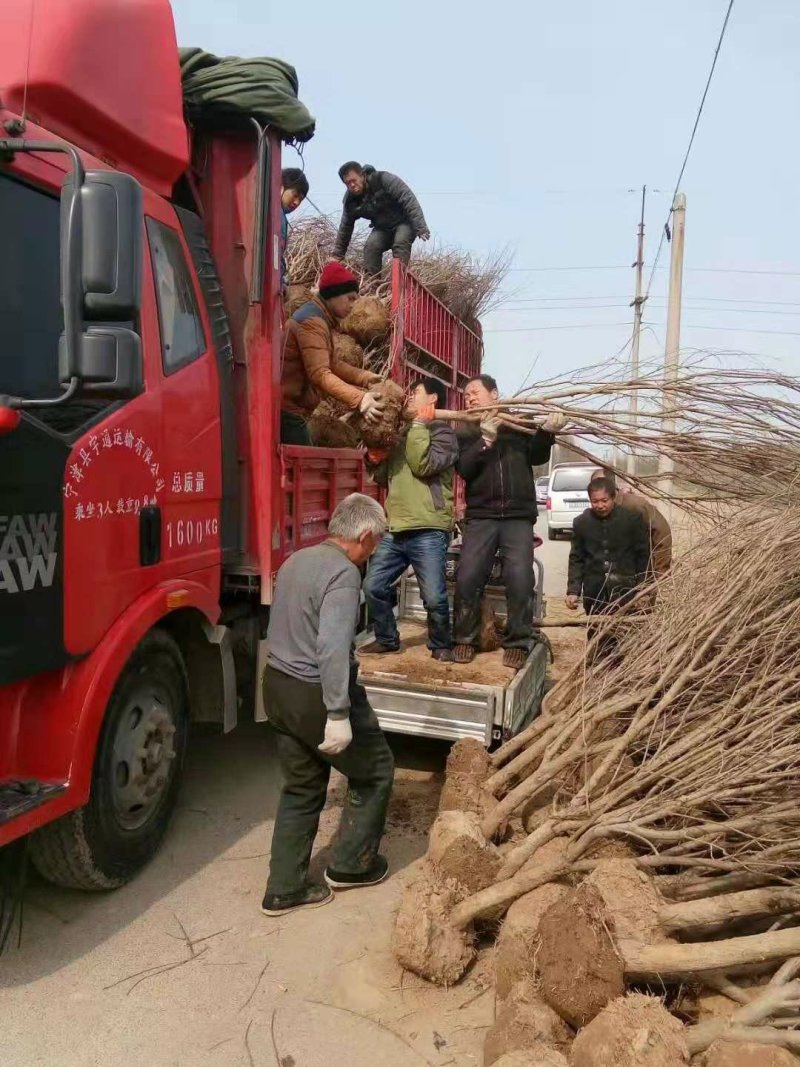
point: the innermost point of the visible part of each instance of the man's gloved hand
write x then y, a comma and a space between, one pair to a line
554, 423
490, 424
371, 407
338, 735
571, 601
377, 455
425, 414
424, 235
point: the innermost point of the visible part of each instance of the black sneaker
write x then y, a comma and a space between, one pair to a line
376, 874
312, 896
375, 648
444, 655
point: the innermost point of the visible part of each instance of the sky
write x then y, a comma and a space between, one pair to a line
532, 127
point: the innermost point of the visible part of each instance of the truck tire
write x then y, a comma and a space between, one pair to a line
137, 771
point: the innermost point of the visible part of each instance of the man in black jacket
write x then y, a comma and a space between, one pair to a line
610, 551
496, 464
391, 208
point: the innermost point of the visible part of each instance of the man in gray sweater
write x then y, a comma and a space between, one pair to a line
322, 716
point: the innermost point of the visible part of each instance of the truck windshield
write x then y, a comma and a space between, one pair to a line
30, 308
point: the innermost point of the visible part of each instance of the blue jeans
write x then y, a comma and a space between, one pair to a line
426, 552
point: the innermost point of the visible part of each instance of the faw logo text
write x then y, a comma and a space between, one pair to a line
27, 551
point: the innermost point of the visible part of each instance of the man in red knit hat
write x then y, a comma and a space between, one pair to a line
310, 368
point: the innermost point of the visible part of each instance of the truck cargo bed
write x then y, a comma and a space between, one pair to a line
415, 694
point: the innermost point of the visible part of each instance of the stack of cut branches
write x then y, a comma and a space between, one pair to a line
647, 825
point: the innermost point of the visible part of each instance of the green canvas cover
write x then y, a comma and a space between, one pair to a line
228, 91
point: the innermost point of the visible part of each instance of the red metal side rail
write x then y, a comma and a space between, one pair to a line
427, 338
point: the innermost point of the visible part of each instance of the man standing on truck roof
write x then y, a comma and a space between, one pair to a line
391, 208
496, 464
310, 368
658, 528
610, 552
294, 190
419, 477
322, 716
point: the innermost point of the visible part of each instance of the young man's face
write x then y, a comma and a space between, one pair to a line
340, 305
419, 397
291, 200
602, 503
476, 395
355, 182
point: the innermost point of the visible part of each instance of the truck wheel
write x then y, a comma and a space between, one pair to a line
135, 780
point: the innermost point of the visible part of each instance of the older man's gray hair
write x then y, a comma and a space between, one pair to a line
355, 516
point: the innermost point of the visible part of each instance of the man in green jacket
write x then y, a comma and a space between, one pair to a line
419, 477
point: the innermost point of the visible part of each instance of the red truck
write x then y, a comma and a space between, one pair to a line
145, 500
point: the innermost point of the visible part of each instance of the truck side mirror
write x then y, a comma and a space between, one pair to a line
101, 271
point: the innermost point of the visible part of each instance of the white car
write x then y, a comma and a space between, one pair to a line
567, 496
541, 489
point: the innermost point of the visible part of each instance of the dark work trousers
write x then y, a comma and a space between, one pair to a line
482, 539
294, 429
296, 711
400, 240
426, 552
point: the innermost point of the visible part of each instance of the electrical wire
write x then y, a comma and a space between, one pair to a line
665, 230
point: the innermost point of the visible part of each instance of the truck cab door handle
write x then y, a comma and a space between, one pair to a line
149, 536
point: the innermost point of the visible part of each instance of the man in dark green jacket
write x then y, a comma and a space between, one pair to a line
391, 208
419, 504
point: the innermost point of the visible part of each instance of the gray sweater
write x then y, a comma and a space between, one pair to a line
312, 624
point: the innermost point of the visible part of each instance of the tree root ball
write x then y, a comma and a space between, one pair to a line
630, 899
388, 431
523, 1022
459, 850
538, 1055
368, 320
746, 1054
518, 943
469, 756
347, 350
579, 969
296, 296
328, 431
633, 1031
424, 940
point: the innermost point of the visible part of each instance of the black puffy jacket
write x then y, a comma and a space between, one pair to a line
608, 557
499, 477
386, 202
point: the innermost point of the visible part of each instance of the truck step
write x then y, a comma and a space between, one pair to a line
20, 796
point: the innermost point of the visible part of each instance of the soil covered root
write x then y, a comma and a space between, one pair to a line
537, 1055
746, 1054
296, 296
523, 1022
632, 1031
458, 850
630, 901
347, 350
462, 792
368, 320
424, 940
469, 756
518, 942
387, 432
327, 429
578, 968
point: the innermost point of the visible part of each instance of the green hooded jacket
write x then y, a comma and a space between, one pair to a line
419, 477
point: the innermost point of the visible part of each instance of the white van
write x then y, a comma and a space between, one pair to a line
567, 497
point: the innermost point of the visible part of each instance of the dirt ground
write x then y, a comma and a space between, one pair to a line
180, 968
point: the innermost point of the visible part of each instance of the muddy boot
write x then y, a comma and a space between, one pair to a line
311, 896
443, 655
515, 657
463, 653
375, 648
341, 880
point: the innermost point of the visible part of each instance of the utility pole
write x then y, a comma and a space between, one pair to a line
672, 348
637, 304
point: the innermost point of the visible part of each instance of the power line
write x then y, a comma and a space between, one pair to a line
570, 326
665, 231
597, 307
532, 300
627, 266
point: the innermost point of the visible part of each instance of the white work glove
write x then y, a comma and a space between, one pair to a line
490, 424
338, 735
371, 407
554, 423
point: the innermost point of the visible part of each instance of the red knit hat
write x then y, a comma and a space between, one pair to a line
335, 280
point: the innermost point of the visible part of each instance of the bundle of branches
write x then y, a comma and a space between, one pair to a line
683, 754
726, 433
466, 284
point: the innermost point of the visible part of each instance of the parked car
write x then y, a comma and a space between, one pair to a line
567, 497
541, 489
